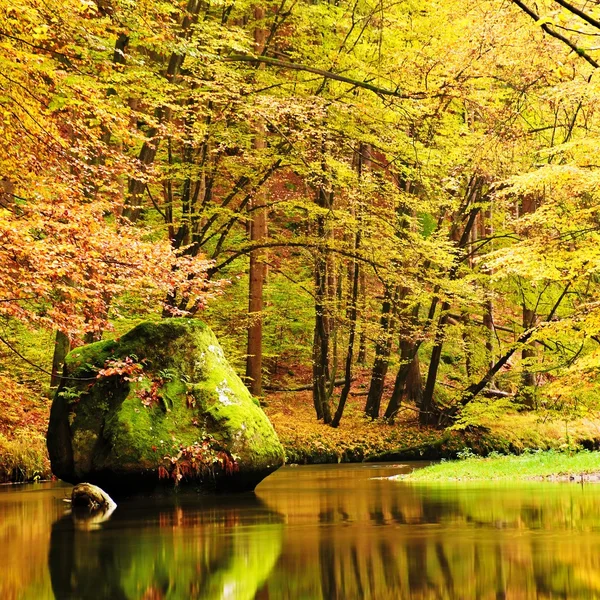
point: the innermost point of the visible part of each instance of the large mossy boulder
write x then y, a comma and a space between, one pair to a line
160, 404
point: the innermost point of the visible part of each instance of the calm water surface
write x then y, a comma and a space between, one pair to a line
318, 532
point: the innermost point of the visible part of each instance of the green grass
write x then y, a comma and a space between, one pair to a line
530, 465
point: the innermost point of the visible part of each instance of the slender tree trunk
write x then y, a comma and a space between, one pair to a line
62, 345
361, 358
258, 233
527, 392
350, 352
473, 390
529, 204
427, 414
363, 161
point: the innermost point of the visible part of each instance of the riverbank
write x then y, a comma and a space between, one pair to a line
24, 417
550, 465
357, 439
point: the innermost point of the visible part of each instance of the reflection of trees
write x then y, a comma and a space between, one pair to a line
195, 552
26, 514
414, 542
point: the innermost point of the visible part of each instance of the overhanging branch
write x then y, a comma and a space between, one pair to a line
284, 64
550, 31
579, 13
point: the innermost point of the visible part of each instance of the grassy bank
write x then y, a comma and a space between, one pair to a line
550, 465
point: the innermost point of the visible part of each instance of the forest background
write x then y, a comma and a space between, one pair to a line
388, 210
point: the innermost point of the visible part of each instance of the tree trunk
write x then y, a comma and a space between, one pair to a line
527, 391
473, 390
321, 375
258, 233
361, 359
62, 345
427, 414
382, 354
350, 352
408, 377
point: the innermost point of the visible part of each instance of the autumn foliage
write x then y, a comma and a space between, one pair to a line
403, 197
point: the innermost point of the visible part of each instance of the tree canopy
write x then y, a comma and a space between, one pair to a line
408, 188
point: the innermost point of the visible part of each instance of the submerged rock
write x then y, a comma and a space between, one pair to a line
159, 404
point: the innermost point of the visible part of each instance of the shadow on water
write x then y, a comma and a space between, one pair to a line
215, 547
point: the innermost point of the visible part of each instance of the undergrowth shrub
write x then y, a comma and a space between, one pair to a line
24, 457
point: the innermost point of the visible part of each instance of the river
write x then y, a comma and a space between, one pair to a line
314, 532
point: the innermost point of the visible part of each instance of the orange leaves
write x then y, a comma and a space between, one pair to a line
201, 459
128, 367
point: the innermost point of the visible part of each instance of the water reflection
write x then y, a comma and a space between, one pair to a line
314, 533
191, 547
372, 538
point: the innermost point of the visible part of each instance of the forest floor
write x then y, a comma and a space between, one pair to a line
358, 438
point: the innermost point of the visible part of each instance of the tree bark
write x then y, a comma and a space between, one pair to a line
527, 391
321, 375
382, 353
62, 345
258, 233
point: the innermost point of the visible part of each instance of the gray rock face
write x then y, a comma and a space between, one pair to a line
161, 404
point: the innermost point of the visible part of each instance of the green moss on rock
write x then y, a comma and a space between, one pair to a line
171, 388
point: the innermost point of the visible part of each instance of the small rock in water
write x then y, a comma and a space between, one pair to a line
86, 494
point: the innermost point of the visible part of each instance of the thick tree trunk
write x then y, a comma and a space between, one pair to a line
321, 358
258, 233
255, 307
408, 377
62, 345
363, 161
382, 354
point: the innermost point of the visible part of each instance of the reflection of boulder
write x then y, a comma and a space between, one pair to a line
176, 551
160, 401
